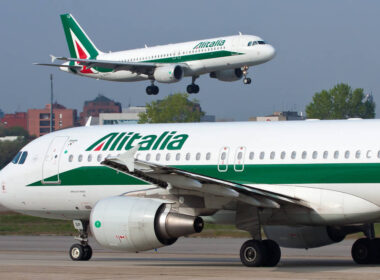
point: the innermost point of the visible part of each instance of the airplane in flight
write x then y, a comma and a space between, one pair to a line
140, 187
224, 58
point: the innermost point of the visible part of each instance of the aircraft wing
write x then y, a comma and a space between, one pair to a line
166, 176
146, 68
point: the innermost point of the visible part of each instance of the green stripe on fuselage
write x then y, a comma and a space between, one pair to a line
253, 174
183, 58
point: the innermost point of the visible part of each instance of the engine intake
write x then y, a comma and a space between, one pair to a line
137, 224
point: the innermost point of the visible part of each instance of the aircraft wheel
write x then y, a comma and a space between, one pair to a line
361, 251
87, 252
77, 252
149, 90
196, 88
247, 81
155, 90
253, 253
273, 253
190, 89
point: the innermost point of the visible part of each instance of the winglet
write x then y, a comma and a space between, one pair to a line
128, 158
88, 123
53, 58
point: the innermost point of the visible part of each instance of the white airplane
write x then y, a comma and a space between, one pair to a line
224, 58
140, 187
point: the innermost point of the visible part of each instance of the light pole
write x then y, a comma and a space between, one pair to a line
51, 102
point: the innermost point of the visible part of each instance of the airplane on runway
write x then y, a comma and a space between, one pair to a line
224, 58
139, 187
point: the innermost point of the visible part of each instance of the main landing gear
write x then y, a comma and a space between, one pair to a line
81, 251
367, 250
193, 88
246, 80
152, 89
255, 253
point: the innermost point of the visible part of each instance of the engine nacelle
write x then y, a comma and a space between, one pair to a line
168, 74
305, 237
228, 75
137, 224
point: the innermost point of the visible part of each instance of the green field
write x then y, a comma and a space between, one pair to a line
17, 224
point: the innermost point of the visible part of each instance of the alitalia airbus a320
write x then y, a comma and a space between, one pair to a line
225, 58
140, 187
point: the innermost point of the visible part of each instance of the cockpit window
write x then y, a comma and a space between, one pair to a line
252, 43
23, 157
16, 158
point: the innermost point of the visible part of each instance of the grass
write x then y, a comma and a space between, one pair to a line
18, 224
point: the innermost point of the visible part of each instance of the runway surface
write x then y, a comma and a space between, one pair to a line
46, 257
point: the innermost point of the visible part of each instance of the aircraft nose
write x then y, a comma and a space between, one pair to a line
270, 52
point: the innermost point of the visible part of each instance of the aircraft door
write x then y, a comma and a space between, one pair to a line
223, 159
50, 167
239, 159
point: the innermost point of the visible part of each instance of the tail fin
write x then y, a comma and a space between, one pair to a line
80, 45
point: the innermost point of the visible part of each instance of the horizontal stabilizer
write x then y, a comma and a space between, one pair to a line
59, 65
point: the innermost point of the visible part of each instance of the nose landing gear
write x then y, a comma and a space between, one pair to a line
81, 251
246, 80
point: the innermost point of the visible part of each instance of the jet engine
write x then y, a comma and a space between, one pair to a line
168, 74
305, 237
137, 224
228, 75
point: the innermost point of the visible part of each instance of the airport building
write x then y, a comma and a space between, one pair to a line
279, 116
39, 119
127, 116
100, 104
17, 119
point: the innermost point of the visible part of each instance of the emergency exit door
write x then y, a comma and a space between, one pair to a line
50, 168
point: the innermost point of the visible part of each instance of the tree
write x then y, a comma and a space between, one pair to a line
341, 102
173, 109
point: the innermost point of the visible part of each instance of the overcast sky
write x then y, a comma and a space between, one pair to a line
318, 44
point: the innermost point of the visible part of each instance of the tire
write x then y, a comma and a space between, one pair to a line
155, 90
76, 252
252, 253
249, 81
87, 252
196, 88
361, 251
149, 90
190, 89
273, 253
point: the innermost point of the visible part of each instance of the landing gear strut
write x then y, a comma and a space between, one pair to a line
255, 253
152, 89
192, 88
246, 80
81, 251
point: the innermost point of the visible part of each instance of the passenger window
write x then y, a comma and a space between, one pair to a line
251, 155
293, 155
188, 156
99, 158
80, 158
89, 158
304, 155
178, 156
23, 157
223, 157
198, 156
158, 156
358, 154
325, 154
369, 154
347, 154
315, 155
168, 156
283, 154
272, 155
208, 156
240, 155
147, 157
71, 157
378, 154
16, 158
262, 155
336, 154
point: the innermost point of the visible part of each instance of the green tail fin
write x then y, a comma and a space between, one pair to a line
80, 45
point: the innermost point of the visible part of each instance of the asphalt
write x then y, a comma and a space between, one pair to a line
46, 257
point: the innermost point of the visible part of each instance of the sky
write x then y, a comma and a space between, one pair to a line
318, 44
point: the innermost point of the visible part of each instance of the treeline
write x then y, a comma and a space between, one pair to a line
8, 149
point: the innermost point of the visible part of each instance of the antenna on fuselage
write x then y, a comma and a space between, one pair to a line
240, 33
